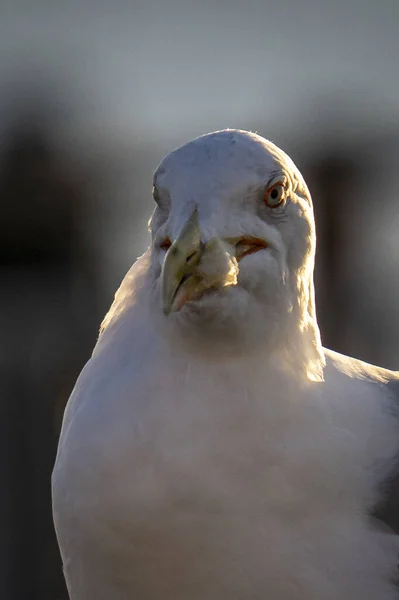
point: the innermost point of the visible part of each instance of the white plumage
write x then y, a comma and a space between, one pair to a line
211, 448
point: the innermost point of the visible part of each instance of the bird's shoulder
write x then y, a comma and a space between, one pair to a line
386, 383
348, 367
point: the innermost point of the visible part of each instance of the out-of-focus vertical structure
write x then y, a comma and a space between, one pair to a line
354, 183
48, 323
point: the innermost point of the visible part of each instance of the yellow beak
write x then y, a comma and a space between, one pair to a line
178, 271
192, 267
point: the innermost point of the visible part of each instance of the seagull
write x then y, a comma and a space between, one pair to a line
212, 449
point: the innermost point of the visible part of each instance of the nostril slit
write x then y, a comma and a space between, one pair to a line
190, 256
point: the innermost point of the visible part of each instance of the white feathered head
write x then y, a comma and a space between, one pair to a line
233, 245
230, 267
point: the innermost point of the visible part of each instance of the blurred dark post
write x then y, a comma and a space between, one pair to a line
48, 324
332, 178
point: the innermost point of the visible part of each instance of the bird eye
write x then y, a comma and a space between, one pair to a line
274, 196
165, 244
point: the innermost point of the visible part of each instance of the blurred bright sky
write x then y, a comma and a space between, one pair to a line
174, 69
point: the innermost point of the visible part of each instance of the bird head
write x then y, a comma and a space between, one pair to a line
233, 242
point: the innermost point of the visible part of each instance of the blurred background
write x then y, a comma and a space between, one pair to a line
92, 95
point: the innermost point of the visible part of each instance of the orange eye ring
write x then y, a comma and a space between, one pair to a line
275, 194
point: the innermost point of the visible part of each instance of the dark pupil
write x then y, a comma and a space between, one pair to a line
274, 194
